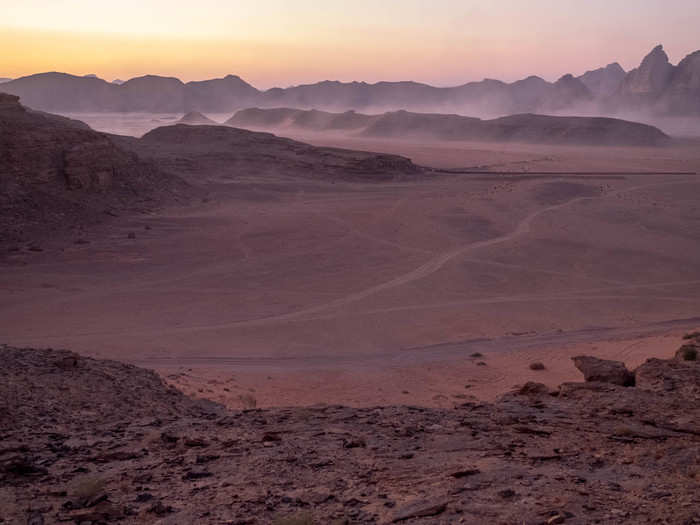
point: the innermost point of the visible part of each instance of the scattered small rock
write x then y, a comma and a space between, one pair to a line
507, 493
23, 466
419, 509
159, 509
196, 474
354, 443
143, 497
195, 442
466, 472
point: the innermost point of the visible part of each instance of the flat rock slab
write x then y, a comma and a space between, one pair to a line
420, 509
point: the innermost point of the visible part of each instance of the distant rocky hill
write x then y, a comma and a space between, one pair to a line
655, 87
204, 153
94, 441
57, 173
402, 124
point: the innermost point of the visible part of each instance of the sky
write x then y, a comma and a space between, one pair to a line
288, 42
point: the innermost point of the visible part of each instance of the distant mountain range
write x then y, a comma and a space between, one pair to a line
656, 87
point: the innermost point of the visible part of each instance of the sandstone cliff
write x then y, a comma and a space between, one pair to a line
57, 173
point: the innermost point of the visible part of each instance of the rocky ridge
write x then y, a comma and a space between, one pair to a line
91, 441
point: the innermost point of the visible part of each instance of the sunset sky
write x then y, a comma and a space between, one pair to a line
280, 43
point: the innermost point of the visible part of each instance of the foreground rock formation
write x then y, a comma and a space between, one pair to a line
89, 441
542, 129
57, 173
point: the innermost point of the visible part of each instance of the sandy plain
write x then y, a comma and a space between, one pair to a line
297, 292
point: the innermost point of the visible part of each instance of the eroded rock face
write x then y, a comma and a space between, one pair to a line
56, 173
651, 77
604, 371
90, 165
100, 441
682, 97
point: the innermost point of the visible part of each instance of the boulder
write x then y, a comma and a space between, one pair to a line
604, 371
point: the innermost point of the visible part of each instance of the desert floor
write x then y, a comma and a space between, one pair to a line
281, 292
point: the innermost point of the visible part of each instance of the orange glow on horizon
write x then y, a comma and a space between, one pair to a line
272, 43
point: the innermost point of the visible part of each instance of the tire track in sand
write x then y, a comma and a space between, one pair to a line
422, 271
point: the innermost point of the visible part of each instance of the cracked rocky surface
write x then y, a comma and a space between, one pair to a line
92, 441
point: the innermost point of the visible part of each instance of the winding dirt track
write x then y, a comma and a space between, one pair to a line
426, 269
324, 310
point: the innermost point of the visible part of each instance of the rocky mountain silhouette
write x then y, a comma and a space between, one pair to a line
61, 92
655, 87
659, 87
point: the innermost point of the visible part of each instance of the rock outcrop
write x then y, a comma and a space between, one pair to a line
604, 371
56, 173
99, 441
650, 79
658, 87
